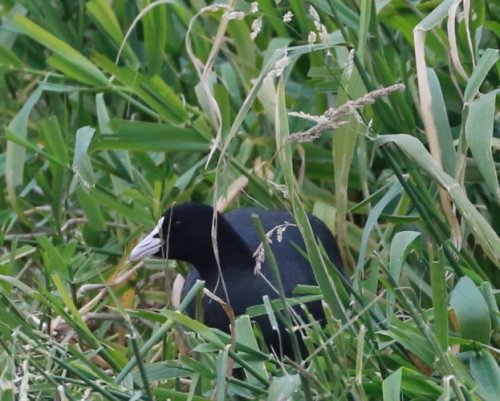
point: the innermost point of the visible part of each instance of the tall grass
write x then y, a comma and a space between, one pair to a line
111, 111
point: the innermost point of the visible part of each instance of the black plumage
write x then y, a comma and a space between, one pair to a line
185, 233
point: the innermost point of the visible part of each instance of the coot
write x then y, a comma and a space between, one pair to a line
184, 233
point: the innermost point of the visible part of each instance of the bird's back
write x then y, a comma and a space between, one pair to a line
245, 288
291, 251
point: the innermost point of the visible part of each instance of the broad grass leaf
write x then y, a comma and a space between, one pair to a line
16, 154
82, 166
399, 246
282, 388
487, 60
245, 336
371, 222
444, 135
486, 373
471, 310
479, 134
391, 386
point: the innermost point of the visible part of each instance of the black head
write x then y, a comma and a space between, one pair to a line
182, 233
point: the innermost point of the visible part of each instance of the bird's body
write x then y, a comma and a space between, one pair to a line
187, 235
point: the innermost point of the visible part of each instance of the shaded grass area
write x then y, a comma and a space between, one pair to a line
112, 111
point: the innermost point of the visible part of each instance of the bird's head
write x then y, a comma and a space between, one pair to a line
181, 233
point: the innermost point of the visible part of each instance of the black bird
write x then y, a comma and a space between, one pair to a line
184, 233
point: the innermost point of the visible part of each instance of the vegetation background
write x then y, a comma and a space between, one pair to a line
113, 110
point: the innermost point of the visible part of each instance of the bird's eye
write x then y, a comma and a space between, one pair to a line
177, 223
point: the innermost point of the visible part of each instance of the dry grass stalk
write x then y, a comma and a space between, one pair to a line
333, 118
259, 254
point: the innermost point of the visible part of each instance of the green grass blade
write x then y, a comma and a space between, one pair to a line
79, 67
399, 247
104, 16
82, 167
390, 195
487, 60
440, 300
483, 232
479, 133
445, 138
391, 386
148, 137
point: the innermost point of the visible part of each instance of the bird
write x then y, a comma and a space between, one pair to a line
184, 232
